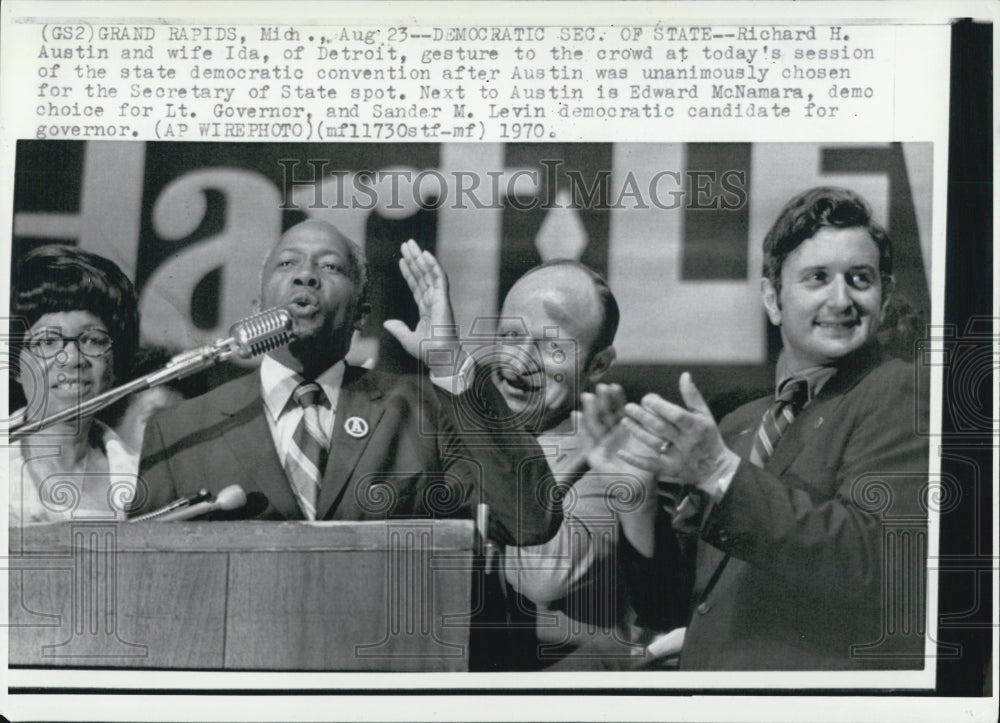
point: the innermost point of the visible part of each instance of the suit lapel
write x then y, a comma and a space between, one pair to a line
249, 439
357, 401
744, 430
797, 437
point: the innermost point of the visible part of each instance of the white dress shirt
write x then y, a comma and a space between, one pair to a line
277, 383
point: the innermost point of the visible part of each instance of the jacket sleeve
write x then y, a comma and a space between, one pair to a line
503, 465
834, 544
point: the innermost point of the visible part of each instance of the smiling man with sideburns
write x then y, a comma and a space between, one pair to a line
792, 499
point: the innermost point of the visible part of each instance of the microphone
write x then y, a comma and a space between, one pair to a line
260, 333
249, 337
200, 496
228, 498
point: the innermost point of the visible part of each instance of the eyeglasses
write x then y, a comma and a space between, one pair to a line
92, 343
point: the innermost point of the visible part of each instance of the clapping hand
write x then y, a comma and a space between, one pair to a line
634, 487
683, 445
601, 413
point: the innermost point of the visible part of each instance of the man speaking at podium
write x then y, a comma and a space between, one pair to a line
309, 437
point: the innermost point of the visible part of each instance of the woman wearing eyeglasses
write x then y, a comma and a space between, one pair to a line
78, 331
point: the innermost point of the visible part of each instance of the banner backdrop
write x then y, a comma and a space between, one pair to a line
676, 229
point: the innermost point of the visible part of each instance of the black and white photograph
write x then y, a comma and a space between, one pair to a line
327, 390
612, 272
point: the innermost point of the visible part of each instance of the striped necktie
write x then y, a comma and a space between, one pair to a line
779, 415
308, 451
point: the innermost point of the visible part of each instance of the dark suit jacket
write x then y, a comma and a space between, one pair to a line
827, 544
413, 462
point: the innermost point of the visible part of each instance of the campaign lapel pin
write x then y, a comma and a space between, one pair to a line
356, 427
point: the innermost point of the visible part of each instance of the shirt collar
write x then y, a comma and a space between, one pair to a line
121, 457
815, 377
277, 382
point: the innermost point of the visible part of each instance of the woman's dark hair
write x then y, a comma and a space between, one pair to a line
56, 278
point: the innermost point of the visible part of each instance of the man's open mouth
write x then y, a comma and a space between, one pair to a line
304, 304
517, 381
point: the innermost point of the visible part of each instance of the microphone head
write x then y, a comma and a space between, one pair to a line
262, 332
230, 498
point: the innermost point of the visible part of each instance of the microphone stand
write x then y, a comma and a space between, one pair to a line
182, 365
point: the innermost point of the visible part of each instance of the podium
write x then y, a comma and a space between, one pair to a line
330, 596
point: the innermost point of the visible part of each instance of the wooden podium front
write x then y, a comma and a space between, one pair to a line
335, 596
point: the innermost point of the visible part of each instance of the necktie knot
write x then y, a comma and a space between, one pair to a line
309, 394
795, 393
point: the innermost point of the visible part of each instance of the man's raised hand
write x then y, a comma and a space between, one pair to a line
435, 339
